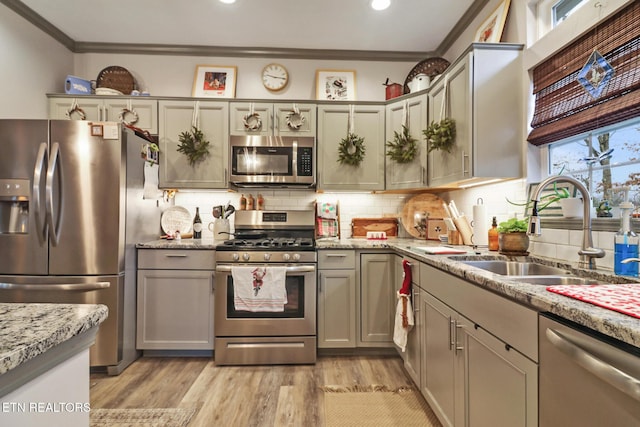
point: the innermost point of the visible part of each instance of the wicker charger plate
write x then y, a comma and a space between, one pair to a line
430, 66
117, 78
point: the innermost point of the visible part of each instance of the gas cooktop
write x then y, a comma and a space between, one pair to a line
273, 244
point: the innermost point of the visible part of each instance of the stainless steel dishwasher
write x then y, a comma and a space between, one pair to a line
585, 380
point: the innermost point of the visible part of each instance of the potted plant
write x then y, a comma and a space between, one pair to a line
512, 237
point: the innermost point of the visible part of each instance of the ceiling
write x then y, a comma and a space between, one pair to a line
313, 28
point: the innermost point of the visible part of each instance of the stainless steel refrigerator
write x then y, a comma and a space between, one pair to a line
71, 212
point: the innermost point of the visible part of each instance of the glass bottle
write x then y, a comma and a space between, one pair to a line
243, 202
250, 202
197, 225
626, 242
260, 202
493, 235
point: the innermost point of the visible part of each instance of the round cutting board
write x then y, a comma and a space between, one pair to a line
420, 203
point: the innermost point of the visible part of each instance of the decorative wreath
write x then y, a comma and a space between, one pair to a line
295, 120
404, 147
252, 121
351, 150
76, 109
441, 135
193, 145
123, 116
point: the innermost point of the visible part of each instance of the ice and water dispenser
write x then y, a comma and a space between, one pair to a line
14, 206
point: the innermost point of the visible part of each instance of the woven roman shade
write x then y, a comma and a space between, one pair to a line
563, 108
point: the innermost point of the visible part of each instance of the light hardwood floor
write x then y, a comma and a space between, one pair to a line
242, 395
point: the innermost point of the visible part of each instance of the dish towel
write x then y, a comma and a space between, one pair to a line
327, 227
327, 210
259, 289
404, 310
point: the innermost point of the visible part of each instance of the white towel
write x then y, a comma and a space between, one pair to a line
327, 210
400, 333
259, 288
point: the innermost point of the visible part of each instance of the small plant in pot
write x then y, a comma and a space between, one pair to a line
512, 237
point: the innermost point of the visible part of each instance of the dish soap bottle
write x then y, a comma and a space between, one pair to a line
493, 235
626, 241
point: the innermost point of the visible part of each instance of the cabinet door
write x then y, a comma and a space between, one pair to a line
175, 171
141, 113
337, 308
447, 167
412, 174
175, 310
501, 383
243, 124
287, 124
438, 358
62, 108
332, 128
377, 299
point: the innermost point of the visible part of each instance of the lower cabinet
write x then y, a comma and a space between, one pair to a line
377, 299
175, 299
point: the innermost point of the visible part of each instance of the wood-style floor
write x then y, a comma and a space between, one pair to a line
288, 395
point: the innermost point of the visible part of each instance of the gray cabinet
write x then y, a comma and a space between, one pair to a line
177, 117
479, 353
279, 119
175, 299
139, 112
377, 299
333, 126
482, 92
413, 174
336, 299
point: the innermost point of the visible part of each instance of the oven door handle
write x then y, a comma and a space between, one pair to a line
292, 269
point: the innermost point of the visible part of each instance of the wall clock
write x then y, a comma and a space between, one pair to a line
275, 77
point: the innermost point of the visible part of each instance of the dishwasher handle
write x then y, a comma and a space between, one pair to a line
613, 376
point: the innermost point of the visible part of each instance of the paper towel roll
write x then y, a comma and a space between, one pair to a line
480, 226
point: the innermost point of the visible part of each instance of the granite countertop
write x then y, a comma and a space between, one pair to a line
28, 330
180, 244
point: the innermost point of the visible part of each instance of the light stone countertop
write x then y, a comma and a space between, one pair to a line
29, 330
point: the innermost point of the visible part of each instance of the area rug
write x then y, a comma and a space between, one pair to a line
376, 405
147, 417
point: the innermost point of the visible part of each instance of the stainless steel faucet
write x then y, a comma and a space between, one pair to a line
587, 252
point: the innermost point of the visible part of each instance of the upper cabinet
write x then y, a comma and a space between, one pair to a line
411, 113
135, 111
333, 126
266, 119
482, 92
213, 120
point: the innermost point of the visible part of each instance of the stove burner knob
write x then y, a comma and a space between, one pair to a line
296, 257
267, 257
245, 256
236, 257
286, 257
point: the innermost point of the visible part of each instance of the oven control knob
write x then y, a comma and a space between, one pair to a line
236, 257
267, 257
245, 256
286, 257
296, 257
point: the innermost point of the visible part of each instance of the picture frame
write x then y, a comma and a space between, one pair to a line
490, 31
336, 85
554, 210
214, 81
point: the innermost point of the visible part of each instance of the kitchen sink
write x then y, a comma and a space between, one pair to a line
515, 268
557, 280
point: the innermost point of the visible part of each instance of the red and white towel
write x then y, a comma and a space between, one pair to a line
259, 288
621, 298
404, 310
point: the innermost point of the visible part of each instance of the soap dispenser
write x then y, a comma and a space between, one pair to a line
626, 241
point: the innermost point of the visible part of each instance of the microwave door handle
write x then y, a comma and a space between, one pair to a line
54, 164
41, 224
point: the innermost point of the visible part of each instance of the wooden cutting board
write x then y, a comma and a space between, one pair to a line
420, 203
360, 226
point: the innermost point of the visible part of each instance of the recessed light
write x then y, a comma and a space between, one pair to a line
380, 4
227, 1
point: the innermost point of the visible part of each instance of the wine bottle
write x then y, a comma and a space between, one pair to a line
197, 225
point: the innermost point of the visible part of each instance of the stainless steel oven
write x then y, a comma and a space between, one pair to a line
260, 335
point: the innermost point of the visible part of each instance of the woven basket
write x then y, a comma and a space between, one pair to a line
117, 78
431, 67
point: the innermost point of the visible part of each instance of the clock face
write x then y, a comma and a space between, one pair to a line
275, 77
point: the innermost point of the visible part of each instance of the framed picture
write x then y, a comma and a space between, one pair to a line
214, 81
336, 85
553, 210
490, 30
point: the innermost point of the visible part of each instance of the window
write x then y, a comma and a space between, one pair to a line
563, 8
550, 13
605, 160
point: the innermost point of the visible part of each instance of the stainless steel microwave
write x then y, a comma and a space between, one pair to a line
272, 161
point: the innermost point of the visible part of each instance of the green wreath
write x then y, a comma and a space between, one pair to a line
351, 150
404, 147
441, 135
193, 145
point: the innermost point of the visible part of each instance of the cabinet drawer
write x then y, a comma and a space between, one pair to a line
336, 259
176, 259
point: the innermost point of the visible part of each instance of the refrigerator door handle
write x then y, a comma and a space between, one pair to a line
41, 224
54, 225
74, 287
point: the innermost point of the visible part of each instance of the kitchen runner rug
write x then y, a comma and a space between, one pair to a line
147, 417
376, 406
